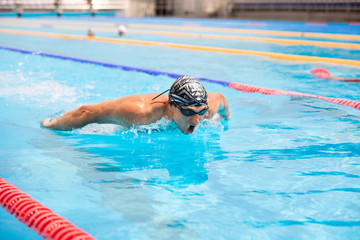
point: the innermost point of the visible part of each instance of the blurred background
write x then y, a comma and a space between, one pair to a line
296, 10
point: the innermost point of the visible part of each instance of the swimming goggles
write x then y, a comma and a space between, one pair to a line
189, 112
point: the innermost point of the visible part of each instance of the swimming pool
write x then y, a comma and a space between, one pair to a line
280, 168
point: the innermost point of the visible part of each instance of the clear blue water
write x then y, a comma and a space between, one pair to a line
280, 168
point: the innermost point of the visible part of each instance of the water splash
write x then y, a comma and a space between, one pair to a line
163, 125
27, 86
113, 129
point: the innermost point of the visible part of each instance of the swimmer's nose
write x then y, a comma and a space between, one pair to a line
195, 119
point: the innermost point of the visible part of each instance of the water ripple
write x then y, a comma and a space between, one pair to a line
319, 173
333, 223
261, 191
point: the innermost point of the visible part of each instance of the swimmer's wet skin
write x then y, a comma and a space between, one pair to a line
189, 96
186, 105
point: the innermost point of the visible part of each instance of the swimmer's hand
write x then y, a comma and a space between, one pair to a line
46, 123
217, 117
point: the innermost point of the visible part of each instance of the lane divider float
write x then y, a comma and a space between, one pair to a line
281, 56
41, 219
269, 91
234, 85
346, 37
197, 35
254, 31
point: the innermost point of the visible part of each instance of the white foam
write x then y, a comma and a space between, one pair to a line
100, 129
207, 125
38, 87
159, 126
50, 91
113, 129
214, 123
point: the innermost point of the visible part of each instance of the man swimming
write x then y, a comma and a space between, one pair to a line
323, 73
186, 104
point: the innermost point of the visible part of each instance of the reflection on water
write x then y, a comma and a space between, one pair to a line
340, 150
182, 156
283, 165
138, 173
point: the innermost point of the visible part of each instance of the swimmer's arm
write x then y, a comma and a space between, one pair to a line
74, 119
223, 109
344, 79
97, 113
333, 78
126, 111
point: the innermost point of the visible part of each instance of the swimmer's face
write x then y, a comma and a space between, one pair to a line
185, 123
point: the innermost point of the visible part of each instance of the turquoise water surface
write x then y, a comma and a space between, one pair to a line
280, 168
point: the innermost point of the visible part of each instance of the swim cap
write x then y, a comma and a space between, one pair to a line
321, 73
187, 91
122, 28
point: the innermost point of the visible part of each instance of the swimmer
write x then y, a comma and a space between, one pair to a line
325, 74
186, 105
122, 30
91, 33
59, 12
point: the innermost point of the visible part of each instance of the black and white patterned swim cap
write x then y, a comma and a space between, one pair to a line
187, 91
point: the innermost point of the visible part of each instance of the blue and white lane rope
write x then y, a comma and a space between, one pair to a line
234, 85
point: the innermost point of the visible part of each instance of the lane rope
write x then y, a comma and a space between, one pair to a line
196, 35
36, 216
300, 34
234, 85
281, 56
269, 91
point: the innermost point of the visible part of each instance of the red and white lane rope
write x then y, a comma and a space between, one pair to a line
234, 85
38, 217
269, 91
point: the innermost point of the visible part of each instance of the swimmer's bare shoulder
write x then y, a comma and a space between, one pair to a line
126, 111
136, 109
217, 106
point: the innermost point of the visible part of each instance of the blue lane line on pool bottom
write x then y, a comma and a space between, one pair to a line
110, 65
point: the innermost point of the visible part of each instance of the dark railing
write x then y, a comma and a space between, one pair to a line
300, 10
308, 6
20, 6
